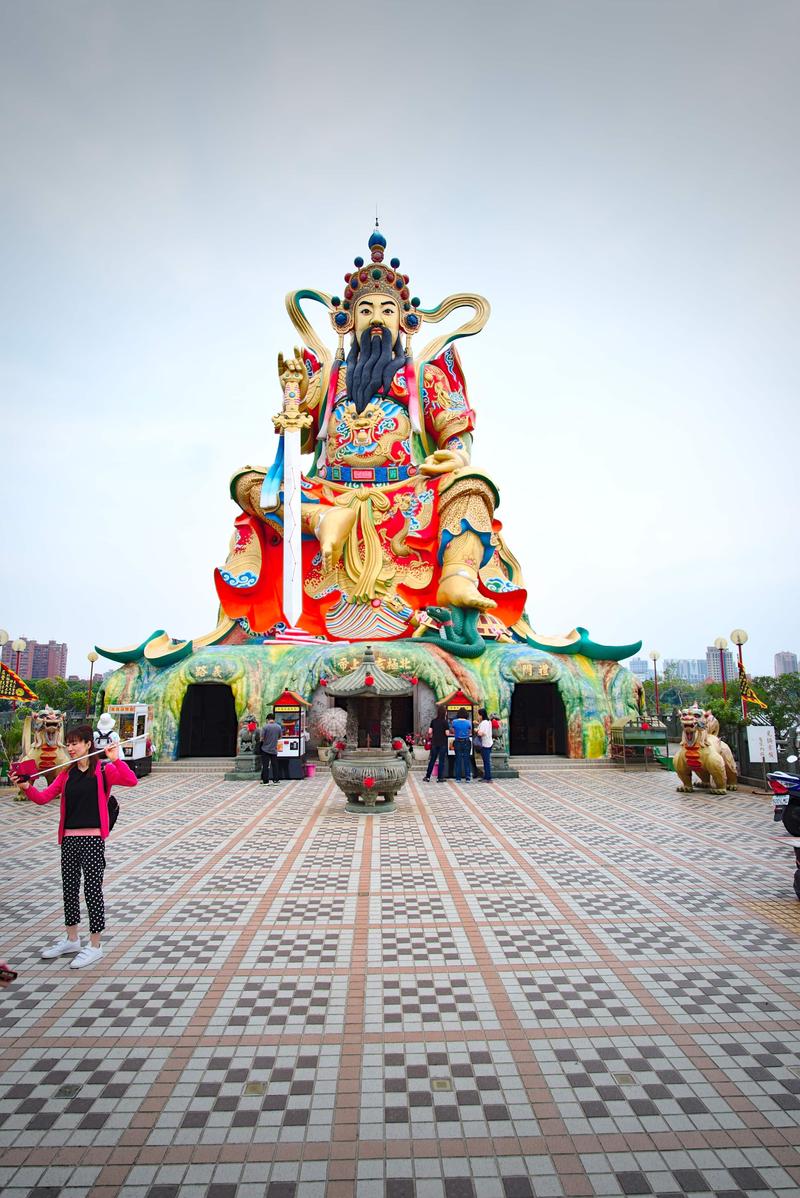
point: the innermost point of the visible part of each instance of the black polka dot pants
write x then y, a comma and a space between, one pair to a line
83, 854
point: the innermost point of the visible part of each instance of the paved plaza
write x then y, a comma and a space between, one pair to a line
575, 983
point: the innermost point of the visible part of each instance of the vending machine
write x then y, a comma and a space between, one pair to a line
135, 724
290, 713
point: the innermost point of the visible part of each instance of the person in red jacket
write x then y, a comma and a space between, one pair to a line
82, 831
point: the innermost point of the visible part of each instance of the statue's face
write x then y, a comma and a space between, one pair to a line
379, 312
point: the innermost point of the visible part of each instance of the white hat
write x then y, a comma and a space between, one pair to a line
105, 723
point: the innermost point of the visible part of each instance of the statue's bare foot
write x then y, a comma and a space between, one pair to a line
332, 530
459, 591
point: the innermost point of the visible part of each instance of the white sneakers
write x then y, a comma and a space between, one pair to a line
87, 956
84, 954
62, 948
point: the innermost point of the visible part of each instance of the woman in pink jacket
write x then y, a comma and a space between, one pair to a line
84, 826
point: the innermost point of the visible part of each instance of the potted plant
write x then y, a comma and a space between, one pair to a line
416, 747
330, 727
12, 739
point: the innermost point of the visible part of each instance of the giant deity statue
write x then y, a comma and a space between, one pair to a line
395, 519
372, 524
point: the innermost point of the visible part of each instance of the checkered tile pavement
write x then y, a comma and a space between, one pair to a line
429, 1091
507, 992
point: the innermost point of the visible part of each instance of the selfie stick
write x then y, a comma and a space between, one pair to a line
73, 760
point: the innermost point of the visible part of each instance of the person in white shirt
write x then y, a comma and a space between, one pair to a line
483, 742
104, 733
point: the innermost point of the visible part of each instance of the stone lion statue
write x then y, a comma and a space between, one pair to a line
43, 743
699, 754
248, 731
712, 728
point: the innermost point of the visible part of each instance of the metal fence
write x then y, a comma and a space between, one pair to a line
751, 770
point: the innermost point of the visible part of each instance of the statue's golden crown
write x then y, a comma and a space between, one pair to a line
375, 276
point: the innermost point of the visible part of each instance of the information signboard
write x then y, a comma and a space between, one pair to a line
761, 743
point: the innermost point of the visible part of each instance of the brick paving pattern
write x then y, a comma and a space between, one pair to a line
577, 983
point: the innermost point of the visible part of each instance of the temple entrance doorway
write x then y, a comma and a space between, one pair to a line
403, 716
208, 722
538, 721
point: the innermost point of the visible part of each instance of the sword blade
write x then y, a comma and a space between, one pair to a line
292, 531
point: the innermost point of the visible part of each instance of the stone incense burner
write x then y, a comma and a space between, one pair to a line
369, 778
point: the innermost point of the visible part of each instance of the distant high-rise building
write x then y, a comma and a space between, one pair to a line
715, 667
689, 669
39, 659
785, 663
641, 667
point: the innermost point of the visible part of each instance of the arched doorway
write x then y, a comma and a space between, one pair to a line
208, 721
538, 721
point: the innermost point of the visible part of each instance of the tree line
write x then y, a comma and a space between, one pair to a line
781, 695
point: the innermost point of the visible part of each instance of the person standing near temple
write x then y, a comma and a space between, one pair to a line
438, 753
483, 742
462, 743
270, 735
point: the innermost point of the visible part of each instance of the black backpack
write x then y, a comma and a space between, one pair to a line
111, 802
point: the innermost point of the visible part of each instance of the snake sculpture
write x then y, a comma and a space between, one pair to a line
457, 632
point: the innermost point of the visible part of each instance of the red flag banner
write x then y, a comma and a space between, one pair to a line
12, 686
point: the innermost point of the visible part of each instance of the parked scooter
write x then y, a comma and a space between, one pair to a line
786, 809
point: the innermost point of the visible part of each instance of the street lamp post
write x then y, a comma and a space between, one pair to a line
3, 638
721, 644
91, 658
19, 646
654, 656
739, 638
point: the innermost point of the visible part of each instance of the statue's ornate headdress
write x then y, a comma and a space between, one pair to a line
382, 278
375, 276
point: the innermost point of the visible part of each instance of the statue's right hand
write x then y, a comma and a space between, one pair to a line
293, 370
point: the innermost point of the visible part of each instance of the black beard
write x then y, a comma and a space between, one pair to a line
372, 365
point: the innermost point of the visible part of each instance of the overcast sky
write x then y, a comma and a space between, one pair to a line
620, 178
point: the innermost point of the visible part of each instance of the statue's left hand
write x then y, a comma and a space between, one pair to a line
442, 461
293, 370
